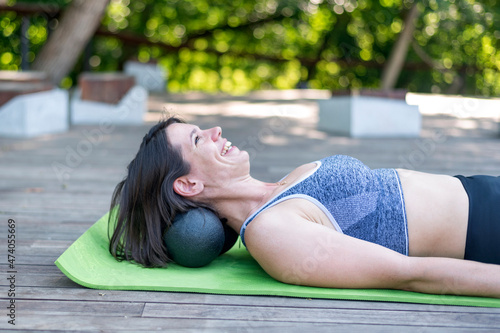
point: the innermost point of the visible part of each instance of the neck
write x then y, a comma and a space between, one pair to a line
242, 198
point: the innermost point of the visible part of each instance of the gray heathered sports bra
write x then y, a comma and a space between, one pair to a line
360, 202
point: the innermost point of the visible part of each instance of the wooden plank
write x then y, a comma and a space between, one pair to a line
35, 259
313, 315
38, 270
135, 324
43, 281
51, 252
80, 308
40, 244
58, 202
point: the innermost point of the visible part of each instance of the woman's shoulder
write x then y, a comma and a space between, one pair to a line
277, 215
293, 209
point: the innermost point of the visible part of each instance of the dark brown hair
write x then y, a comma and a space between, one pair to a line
144, 204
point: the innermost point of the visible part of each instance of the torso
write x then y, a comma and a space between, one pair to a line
436, 210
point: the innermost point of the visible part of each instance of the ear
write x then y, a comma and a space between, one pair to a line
187, 187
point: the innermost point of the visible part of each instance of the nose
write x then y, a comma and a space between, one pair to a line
215, 133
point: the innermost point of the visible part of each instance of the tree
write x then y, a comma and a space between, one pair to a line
77, 26
398, 54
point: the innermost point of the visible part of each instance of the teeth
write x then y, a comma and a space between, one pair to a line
227, 145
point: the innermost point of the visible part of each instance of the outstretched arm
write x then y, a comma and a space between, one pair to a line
294, 250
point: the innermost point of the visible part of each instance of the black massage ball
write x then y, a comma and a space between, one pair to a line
230, 238
195, 238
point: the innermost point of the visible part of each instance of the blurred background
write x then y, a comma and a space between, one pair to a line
238, 46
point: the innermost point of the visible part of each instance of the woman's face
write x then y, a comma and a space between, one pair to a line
211, 157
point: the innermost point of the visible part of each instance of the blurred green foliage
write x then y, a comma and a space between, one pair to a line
235, 46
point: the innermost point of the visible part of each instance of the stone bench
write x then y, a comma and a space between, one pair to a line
111, 98
369, 113
30, 105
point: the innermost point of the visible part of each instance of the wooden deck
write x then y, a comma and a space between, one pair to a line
57, 186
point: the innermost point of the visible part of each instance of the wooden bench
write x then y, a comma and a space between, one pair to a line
27, 76
14, 83
105, 87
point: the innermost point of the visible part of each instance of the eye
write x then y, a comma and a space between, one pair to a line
196, 140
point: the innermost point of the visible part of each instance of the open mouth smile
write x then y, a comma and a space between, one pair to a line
226, 148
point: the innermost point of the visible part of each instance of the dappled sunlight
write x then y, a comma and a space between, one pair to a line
467, 124
298, 104
308, 132
459, 127
274, 140
243, 109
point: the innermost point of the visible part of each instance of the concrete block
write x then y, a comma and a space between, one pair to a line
35, 114
130, 109
148, 75
368, 116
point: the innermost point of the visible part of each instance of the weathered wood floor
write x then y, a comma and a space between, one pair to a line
57, 186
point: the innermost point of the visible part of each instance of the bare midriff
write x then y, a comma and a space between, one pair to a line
437, 209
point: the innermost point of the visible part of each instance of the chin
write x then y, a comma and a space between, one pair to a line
244, 159
246, 156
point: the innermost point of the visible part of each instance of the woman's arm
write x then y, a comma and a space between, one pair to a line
454, 276
294, 250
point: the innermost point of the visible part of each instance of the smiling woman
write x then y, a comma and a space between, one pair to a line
324, 224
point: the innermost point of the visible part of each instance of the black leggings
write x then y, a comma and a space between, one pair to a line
483, 231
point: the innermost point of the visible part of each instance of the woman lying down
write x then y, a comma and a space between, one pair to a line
332, 223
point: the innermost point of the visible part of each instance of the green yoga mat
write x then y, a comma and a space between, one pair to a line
88, 263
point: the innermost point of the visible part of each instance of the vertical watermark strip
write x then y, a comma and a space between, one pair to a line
11, 271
